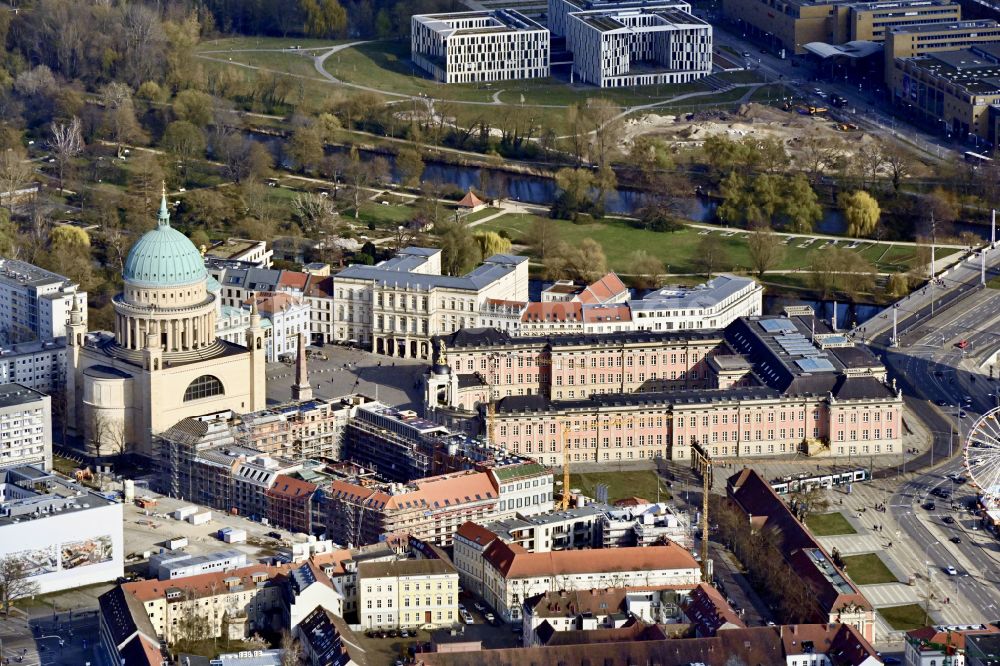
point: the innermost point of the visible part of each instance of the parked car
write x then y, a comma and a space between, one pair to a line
467, 617
490, 617
929, 506
480, 606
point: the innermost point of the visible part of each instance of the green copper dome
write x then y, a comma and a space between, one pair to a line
164, 257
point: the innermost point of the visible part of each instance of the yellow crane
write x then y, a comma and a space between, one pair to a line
566, 430
702, 463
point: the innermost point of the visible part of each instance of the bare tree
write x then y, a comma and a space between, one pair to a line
765, 248
66, 143
316, 213
291, 654
100, 429
15, 581
15, 174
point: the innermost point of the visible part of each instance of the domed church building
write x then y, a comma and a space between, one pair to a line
164, 362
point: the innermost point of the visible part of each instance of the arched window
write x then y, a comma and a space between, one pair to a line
204, 387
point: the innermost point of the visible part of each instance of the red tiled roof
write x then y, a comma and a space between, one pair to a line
293, 280
596, 314
202, 585
435, 493
506, 559
476, 533
708, 611
289, 486
942, 636
602, 291
320, 287
558, 312
470, 200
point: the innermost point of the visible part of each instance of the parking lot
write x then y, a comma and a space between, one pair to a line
396, 381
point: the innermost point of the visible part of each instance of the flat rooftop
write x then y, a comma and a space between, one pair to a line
23, 274
976, 69
953, 26
16, 394
231, 248
30, 493
497, 20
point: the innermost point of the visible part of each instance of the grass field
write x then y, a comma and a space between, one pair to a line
867, 569
904, 618
621, 484
829, 524
678, 250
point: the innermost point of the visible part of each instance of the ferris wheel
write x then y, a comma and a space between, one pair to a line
982, 454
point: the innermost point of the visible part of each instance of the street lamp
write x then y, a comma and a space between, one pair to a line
927, 558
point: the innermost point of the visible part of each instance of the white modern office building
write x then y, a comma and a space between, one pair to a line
472, 47
635, 43
25, 427
714, 304
66, 535
34, 302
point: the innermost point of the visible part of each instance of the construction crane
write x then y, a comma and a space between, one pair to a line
702, 463
566, 430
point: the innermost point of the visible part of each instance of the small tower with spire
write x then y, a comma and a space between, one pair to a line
301, 389
163, 218
255, 343
76, 334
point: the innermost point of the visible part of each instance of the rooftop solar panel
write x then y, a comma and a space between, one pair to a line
814, 365
776, 325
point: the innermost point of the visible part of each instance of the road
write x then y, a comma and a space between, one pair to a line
937, 376
52, 639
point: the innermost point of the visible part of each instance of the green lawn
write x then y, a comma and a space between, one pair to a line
381, 215
829, 524
867, 569
677, 250
993, 283
620, 484
904, 618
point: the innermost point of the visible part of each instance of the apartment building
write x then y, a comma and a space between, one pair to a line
473, 47
300, 429
432, 509
945, 644
39, 365
763, 386
397, 306
715, 304
511, 574
290, 503
407, 594
953, 91
635, 44
233, 604
792, 24
25, 427
126, 636
288, 315
837, 598
34, 303
327, 639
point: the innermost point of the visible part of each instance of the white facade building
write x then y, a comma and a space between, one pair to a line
397, 306
407, 593
66, 535
469, 47
633, 43
289, 316
34, 302
171, 564
511, 574
715, 304
25, 427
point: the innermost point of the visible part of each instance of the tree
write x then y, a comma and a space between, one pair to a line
316, 213
459, 249
899, 163
800, 209
808, 500
185, 140
574, 195
606, 123
120, 122
15, 174
69, 252
146, 182
862, 213
819, 153
66, 143
586, 261
541, 236
243, 157
646, 268
195, 107
943, 205
490, 243
15, 581
410, 166
306, 147
710, 254
324, 18
766, 249
291, 649
870, 159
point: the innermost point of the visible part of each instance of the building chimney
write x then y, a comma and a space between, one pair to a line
301, 390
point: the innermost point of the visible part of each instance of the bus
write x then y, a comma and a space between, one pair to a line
976, 158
